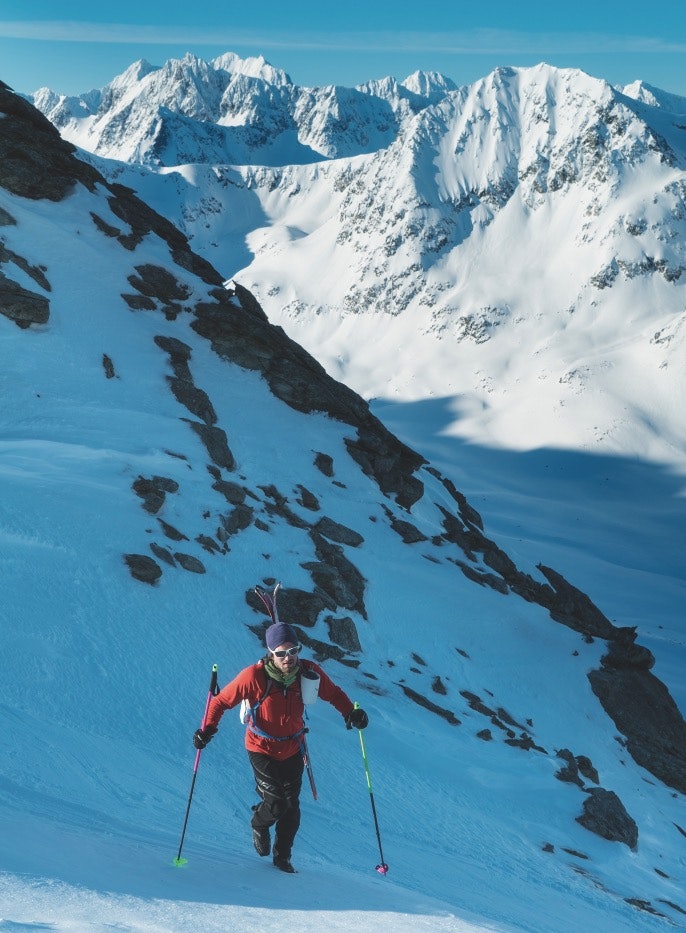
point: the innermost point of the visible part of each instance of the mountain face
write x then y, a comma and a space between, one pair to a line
196, 449
516, 245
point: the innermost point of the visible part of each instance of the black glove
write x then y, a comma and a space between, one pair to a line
202, 736
357, 718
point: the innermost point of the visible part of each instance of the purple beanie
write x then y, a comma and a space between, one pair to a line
278, 634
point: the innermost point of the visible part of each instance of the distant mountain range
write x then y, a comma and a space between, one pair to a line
518, 244
235, 111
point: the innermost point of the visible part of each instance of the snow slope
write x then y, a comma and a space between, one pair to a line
104, 677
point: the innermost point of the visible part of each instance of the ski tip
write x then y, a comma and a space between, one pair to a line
180, 862
269, 600
382, 868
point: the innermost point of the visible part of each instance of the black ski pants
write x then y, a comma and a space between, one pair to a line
278, 783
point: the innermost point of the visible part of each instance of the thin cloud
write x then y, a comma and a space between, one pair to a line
469, 42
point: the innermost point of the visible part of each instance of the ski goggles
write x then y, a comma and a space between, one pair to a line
287, 652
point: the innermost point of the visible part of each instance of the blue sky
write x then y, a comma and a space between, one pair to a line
75, 46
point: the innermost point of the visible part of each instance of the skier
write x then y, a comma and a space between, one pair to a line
274, 737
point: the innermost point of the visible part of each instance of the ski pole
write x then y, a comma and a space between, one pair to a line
383, 867
178, 861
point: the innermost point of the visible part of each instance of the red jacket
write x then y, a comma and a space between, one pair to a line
281, 712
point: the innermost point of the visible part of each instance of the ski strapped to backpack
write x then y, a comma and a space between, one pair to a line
269, 600
247, 712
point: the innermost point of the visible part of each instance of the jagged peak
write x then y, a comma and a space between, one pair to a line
428, 84
510, 83
252, 67
46, 99
380, 87
188, 63
135, 73
50, 103
545, 74
655, 97
398, 94
188, 59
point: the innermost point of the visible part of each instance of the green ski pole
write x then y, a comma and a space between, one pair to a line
383, 867
178, 861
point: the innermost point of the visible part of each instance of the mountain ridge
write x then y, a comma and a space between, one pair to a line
243, 104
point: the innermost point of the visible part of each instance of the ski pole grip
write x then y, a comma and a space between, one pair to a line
212, 692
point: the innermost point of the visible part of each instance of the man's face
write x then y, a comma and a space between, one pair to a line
284, 661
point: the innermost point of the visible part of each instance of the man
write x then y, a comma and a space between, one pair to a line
274, 737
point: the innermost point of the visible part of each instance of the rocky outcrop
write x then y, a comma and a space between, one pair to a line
343, 632
189, 562
181, 383
108, 366
157, 289
409, 533
324, 463
142, 220
605, 815
36, 162
644, 712
22, 306
421, 700
341, 534
575, 767
336, 578
153, 491
143, 568
572, 608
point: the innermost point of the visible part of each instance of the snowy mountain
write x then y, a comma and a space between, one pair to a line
167, 448
233, 110
516, 246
